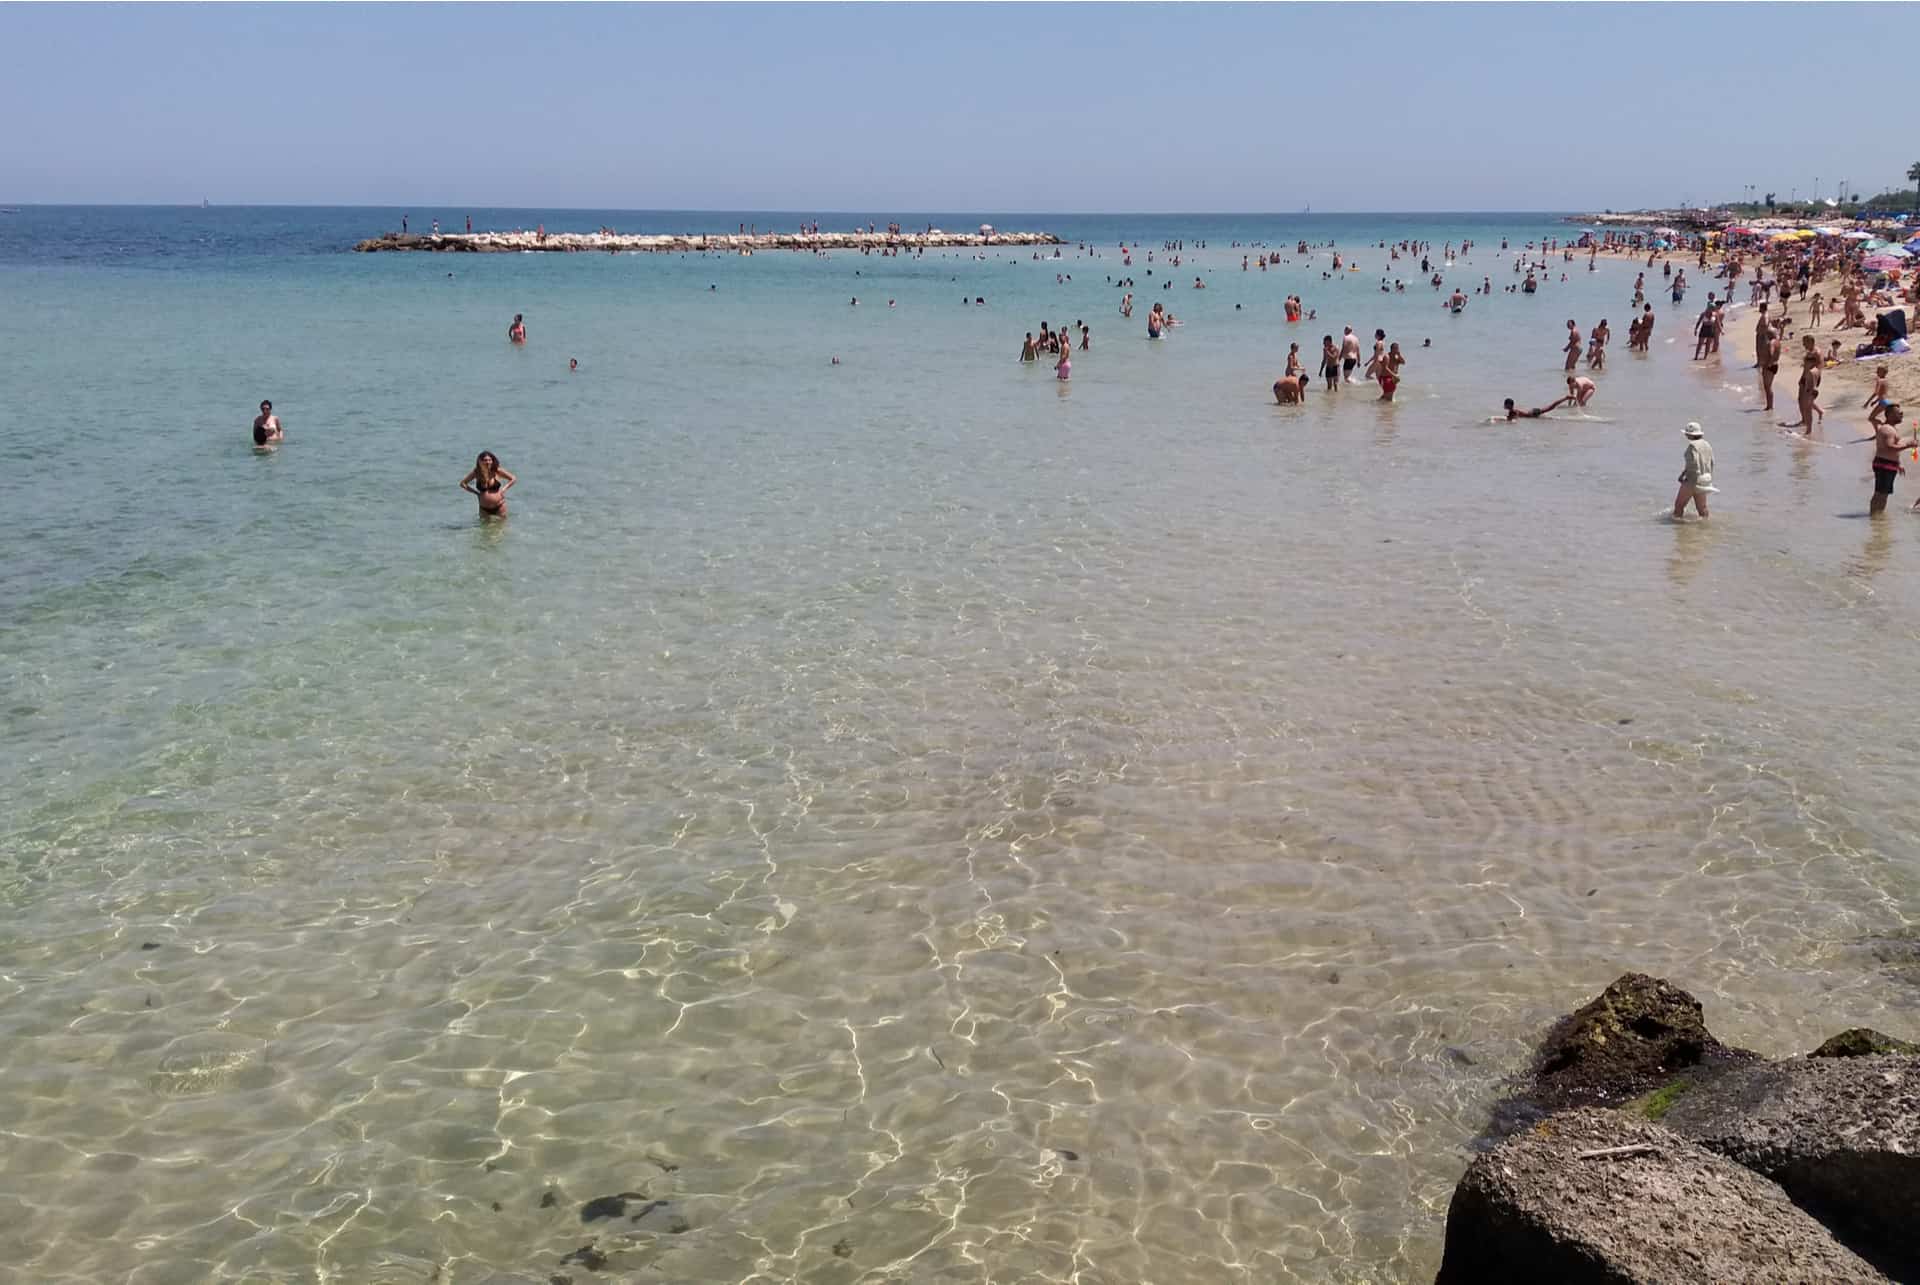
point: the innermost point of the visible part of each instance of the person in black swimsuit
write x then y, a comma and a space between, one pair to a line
490, 483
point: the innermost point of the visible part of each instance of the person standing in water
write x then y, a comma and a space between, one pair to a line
1766, 346
517, 332
1329, 362
1887, 445
1696, 474
1808, 395
1580, 389
490, 484
266, 426
1028, 350
1063, 369
1349, 354
1574, 344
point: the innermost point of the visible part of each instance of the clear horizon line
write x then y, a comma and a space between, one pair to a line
821, 213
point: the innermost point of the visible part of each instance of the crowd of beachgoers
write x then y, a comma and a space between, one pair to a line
1841, 279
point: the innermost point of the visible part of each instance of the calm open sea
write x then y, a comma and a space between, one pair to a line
922, 821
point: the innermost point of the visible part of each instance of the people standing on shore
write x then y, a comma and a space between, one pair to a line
517, 332
489, 483
1877, 399
266, 426
1887, 445
1696, 474
1808, 394
1766, 346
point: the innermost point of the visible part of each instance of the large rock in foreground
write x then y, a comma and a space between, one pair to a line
1841, 1135
1594, 1197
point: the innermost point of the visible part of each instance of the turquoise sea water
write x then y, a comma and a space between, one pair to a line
921, 820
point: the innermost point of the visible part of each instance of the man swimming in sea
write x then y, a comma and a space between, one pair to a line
1514, 412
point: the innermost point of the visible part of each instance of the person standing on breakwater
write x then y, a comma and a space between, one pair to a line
490, 483
517, 332
1696, 474
266, 426
1887, 445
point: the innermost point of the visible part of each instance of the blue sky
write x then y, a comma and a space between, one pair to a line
899, 108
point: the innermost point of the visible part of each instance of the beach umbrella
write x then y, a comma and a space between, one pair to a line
1858, 236
1882, 263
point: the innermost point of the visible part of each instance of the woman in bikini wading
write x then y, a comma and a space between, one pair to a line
490, 484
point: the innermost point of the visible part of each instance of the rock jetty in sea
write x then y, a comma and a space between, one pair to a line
1634, 1037
689, 243
1597, 1197
1714, 1164
1841, 1135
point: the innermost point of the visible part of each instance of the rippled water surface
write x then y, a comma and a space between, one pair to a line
919, 820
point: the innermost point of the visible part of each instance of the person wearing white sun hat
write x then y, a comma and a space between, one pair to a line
1696, 473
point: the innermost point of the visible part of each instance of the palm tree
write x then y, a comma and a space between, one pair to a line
1913, 177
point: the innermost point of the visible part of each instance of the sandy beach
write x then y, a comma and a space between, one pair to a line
1842, 389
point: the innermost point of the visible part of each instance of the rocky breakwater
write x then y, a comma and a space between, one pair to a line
1640, 1149
689, 243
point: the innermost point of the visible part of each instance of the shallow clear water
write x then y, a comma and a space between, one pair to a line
921, 820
